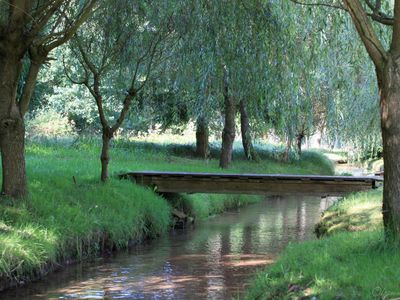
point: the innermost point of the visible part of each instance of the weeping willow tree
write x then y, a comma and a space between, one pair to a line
353, 110
223, 58
378, 26
295, 86
311, 85
275, 65
114, 56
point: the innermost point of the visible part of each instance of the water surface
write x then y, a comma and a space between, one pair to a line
215, 260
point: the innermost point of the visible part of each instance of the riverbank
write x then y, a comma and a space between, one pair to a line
351, 261
357, 212
70, 216
213, 260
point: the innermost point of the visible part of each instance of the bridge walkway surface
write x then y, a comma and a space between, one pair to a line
257, 184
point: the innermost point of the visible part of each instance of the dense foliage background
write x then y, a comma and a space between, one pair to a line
301, 71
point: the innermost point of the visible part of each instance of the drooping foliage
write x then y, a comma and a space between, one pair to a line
313, 84
283, 60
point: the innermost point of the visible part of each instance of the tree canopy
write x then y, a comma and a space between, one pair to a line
291, 70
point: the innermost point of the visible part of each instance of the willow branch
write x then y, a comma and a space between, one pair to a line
29, 86
376, 14
395, 45
321, 4
99, 100
367, 33
42, 18
68, 33
19, 13
84, 80
95, 90
124, 111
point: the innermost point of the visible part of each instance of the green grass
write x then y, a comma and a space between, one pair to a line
335, 155
351, 261
129, 155
357, 212
62, 221
347, 265
374, 165
70, 215
201, 206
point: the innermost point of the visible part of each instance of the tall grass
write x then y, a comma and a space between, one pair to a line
201, 206
62, 221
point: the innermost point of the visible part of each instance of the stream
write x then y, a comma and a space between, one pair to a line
213, 260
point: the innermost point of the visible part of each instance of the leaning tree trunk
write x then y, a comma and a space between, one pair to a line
12, 130
202, 133
228, 134
248, 148
389, 85
105, 153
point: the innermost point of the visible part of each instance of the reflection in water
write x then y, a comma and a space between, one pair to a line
213, 261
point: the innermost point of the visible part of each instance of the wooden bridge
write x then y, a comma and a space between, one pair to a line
258, 184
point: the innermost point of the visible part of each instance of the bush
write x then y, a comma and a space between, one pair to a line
49, 124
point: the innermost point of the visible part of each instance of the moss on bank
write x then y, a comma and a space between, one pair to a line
342, 265
69, 215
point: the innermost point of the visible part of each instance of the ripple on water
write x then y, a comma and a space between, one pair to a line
213, 261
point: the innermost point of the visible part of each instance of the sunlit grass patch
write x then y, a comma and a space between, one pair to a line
351, 262
25, 249
347, 265
62, 220
357, 212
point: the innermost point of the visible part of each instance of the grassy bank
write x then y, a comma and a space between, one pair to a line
350, 262
70, 216
201, 206
61, 222
358, 212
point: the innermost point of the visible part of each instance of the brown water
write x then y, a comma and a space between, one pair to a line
215, 260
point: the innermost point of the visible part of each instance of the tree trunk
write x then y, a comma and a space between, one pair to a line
228, 134
389, 85
12, 129
248, 148
202, 147
286, 154
105, 153
299, 141
13, 159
